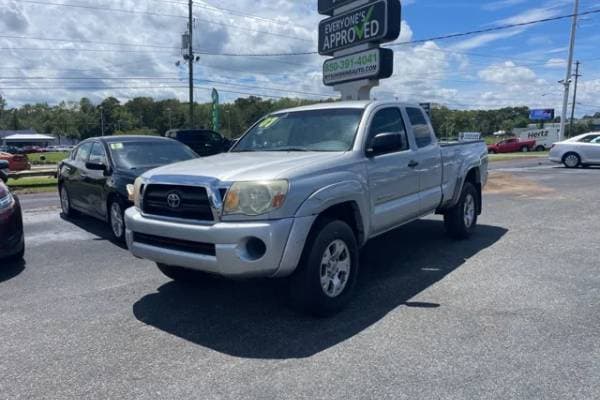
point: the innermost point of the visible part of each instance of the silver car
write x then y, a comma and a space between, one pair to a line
582, 150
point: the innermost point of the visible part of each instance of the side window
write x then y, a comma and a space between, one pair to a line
98, 154
596, 140
388, 120
83, 152
423, 135
589, 139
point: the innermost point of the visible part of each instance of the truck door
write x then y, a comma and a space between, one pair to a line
429, 158
393, 182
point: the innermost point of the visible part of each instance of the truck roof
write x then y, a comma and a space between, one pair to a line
358, 104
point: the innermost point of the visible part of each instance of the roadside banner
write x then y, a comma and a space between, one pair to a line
215, 111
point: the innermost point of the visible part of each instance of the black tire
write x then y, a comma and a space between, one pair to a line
525, 149
540, 148
18, 256
491, 151
455, 219
117, 227
571, 160
67, 210
307, 292
182, 275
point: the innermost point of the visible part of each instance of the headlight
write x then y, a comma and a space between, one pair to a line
134, 192
255, 198
6, 200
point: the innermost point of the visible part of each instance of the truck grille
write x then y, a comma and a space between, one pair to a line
185, 202
175, 244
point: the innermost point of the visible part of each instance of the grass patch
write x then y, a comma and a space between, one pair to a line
518, 156
33, 185
47, 158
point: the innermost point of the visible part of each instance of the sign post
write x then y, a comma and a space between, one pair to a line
352, 35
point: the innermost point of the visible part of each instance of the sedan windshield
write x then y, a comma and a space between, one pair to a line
318, 130
134, 155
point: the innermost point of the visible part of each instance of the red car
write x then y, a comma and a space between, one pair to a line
512, 146
16, 162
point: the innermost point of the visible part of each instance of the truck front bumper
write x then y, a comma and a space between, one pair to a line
230, 249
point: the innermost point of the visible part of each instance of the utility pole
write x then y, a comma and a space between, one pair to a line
574, 98
170, 119
191, 62
102, 120
567, 82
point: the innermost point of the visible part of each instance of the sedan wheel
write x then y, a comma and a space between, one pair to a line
117, 222
572, 160
65, 202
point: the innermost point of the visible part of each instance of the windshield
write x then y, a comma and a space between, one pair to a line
134, 155
318, 130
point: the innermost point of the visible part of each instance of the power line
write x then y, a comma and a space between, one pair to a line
154, 14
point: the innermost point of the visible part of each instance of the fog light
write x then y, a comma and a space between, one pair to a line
252, 249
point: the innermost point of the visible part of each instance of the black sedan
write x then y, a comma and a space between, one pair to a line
12, 240
94, 179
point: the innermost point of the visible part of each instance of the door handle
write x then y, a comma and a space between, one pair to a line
413, 164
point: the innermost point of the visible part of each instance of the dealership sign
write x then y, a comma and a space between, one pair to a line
370, 64
327, 6
376, 22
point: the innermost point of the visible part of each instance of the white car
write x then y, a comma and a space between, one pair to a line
582, 150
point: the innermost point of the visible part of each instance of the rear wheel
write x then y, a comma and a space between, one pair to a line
540, 148
571, 160
461, 220
525, 149
325, 280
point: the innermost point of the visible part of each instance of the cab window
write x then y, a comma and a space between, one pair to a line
420, 126
388, 120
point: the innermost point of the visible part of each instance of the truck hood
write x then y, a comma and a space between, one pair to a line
231, 167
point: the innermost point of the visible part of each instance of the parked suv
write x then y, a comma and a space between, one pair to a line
12, 238
301, 192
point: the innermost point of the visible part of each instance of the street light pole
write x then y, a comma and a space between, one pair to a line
574, 98
567, 83
191, 63
102, 120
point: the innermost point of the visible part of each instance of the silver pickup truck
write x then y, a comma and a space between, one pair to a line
300, 193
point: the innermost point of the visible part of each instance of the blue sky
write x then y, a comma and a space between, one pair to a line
128, 48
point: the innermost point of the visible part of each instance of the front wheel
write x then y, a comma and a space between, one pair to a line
461, 220
116, 220
540, 148
326, 278
65, 202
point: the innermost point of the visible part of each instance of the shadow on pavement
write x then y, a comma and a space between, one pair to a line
96, 227
10, 269
249, 319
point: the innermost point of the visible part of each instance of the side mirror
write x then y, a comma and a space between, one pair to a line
384, 143
4, 170
95, 166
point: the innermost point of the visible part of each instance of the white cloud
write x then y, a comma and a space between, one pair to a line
556, 63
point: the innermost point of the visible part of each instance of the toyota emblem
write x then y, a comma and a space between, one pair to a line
174, 200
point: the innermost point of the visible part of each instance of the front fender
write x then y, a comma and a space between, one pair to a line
338, 193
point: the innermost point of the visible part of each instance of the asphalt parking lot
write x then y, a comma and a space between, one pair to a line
513, 313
